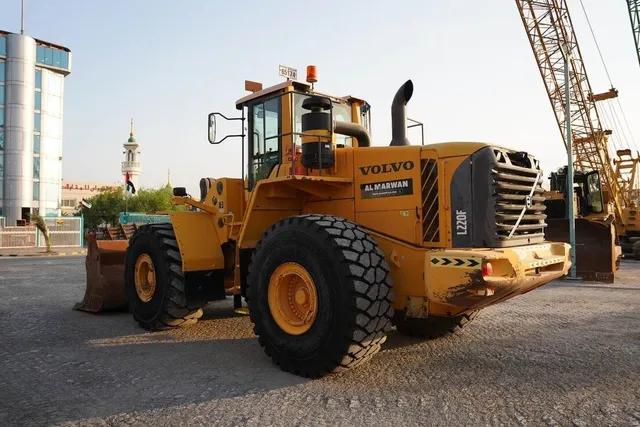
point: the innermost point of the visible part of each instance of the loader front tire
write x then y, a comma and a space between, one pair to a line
339, 288
163, 301
432, 326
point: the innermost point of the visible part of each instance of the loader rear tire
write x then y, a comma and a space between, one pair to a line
432, 326
340, 265
169, 305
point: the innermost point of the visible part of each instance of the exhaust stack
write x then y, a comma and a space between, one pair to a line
399, 115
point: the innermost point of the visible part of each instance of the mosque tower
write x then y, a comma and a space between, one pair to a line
131, 163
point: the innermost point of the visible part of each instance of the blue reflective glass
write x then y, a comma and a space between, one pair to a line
36, 190
1, 117
36, 122
40, 54
1, 140
3, 46
36, 144
1, 164
38, 78
1, 71
1, 95
36, 167
64, 63
38, 101
48, 56
56, 57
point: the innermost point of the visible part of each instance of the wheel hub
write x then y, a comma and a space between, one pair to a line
292, 298
145, 278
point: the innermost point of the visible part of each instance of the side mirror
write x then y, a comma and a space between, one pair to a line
212, 128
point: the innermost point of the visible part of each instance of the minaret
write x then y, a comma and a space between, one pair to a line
131, 163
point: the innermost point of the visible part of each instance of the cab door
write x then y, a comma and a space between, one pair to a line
265, 141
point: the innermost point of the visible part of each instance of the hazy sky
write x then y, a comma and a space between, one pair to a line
169, 63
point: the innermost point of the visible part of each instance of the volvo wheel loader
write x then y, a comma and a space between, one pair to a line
331, 241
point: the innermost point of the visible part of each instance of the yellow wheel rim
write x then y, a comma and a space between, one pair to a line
293, 301
145, 278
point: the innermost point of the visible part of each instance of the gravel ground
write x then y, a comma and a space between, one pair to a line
566, 354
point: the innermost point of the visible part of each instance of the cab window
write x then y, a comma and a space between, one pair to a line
595, 192
264, 139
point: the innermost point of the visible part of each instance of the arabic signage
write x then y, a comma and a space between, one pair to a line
93, 188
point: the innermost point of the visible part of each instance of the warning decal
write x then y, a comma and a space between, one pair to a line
439, 261
398, 187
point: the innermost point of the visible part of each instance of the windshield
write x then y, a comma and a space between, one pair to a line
341, 113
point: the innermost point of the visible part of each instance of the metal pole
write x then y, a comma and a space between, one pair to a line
570, 194
22, 24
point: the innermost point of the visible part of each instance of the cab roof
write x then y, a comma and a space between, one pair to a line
298, 86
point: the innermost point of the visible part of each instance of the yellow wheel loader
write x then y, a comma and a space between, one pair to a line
598, 253
331, 241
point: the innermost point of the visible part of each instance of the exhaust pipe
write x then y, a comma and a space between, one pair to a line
399, 115
355, 130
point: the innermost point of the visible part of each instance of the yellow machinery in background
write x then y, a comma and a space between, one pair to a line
331, 241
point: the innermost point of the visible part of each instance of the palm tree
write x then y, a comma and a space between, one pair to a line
41, 225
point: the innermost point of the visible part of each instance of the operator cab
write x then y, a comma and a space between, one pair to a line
587, 189
275, 125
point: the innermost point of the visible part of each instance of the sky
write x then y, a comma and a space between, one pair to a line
168, 64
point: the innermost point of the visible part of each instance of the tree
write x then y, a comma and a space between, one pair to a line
107, 206
41, 225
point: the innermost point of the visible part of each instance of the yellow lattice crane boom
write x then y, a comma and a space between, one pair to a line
551, 34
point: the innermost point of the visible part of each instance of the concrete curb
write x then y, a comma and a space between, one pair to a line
44, 254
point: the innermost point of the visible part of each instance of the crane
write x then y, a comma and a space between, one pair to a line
551, 35
634, 17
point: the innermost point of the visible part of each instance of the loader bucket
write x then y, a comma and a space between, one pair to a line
597, 254
105, 276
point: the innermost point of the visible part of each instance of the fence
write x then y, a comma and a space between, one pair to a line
63, 231
141, 218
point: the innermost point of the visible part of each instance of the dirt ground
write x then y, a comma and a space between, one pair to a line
566, 354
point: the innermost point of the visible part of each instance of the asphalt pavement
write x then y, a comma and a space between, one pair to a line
567, 354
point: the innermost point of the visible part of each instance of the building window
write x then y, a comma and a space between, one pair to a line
64, 63
38, 102
1, 95
36, 191
3, 46
36, 167
36, 122
69, 203
38, 78
36, 144
1, 138
1, 164
1, 193
2, 75
40, 54
48, 56
56, 58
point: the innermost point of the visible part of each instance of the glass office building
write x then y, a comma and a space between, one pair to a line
32, 76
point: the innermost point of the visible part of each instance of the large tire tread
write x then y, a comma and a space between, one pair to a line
362, 265
177, 309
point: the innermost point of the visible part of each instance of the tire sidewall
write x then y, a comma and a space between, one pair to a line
141, 243
308, 250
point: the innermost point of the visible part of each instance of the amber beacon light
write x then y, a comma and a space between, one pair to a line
312, 76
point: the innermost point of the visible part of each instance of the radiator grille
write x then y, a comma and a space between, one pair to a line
430, 202
514, 175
